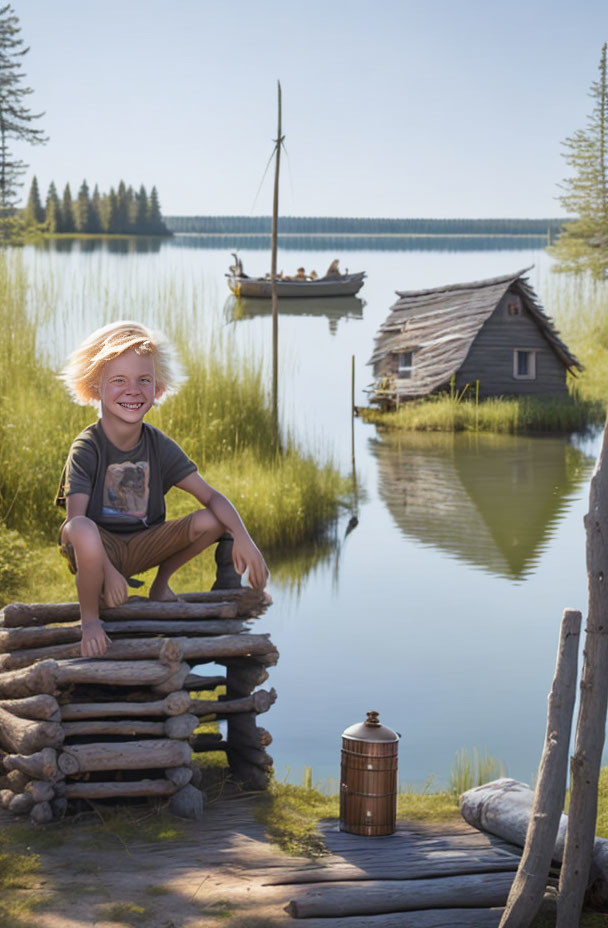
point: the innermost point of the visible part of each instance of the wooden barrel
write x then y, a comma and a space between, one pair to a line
368, 780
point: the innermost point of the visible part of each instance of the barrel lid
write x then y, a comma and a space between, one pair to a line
370, 730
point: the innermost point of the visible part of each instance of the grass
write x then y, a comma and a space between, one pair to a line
470, 769
222, 418
445, 413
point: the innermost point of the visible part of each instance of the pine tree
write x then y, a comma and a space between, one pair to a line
34, 213
67, 211
95, 214
54, 221
16, 119
156, 226
141, 211
82, 209
111, 216
583, 243
122, 209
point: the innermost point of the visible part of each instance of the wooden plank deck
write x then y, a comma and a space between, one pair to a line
419, 877
448, 876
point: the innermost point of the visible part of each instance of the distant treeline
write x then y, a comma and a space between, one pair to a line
335, 225
341, 243
123, 211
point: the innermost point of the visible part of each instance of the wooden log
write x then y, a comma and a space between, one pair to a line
21, 804
124, 755
251, 755
145, 649
195, 681
40, 790
39, 766
14, 639
243, 677
250, 776
249, 602
16, 781
28, 615
115, 789
380, 896
180, 726
257, 702
591, 726
180, 776
244, 730
118, 673
22, 736
41, 813
113, 727
503, 808
174, 682
431, 918
173, 704
41, 707
526, 896
187, 802
41, 678
59, 807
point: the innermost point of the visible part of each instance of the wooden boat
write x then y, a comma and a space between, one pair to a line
333, 284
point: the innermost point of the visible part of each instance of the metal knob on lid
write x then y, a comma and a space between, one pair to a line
368, 782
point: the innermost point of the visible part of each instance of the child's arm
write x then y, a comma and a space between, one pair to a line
245, 554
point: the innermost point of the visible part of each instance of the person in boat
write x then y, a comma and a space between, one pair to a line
314, 275
300, 274
237, 268
334, 270
117, 473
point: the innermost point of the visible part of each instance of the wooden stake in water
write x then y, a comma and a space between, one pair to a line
273, 282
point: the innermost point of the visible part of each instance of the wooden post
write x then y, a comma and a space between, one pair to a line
528, 888
590, 732
273, 282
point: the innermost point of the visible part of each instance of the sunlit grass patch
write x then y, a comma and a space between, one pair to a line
473, 768
124, 913
291, 815
444, 413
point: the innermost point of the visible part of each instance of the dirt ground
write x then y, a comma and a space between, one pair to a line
211, 874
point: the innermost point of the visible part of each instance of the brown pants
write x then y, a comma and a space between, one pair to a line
134, 552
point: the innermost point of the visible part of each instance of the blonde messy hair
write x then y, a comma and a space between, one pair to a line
82, 373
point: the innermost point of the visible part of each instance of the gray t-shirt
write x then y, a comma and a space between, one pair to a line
126, 489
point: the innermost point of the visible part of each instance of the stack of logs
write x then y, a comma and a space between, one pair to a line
124, 725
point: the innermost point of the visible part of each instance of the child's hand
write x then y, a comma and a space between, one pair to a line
94, 641
115, 589
245, 555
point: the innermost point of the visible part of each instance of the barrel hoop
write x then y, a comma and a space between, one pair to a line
351, 792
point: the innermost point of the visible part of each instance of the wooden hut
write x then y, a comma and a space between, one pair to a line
493, 332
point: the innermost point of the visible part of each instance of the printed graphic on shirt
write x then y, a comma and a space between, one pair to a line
126, 489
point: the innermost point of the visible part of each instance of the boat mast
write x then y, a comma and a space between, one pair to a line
273, 283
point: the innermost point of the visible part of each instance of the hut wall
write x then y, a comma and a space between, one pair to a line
490, 358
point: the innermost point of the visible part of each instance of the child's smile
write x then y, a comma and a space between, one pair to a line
128, 388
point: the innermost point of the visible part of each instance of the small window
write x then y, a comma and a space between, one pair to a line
513, 308
524, 364
405, 363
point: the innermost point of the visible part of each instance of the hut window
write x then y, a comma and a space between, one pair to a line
524, 364
513, 308
404, 363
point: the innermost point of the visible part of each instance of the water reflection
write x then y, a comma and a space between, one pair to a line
129, 245
489, 500
333, 308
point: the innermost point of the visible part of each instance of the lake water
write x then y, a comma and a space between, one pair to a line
441, 610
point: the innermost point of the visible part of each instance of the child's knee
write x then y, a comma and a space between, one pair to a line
82, 533
204, 522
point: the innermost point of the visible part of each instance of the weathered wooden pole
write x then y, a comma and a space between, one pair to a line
273, 282
590, 731
528, 888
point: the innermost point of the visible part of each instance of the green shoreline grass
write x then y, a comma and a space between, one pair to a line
444, 413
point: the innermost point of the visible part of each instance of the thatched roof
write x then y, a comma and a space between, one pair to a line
441, 324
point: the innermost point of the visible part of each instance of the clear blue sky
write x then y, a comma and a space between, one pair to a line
391, 107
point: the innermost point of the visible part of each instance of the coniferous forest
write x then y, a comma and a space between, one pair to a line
122, 211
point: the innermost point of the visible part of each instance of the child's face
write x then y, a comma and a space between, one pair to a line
128, 387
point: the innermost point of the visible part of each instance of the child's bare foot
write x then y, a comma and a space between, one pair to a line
115, 590
161, 592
